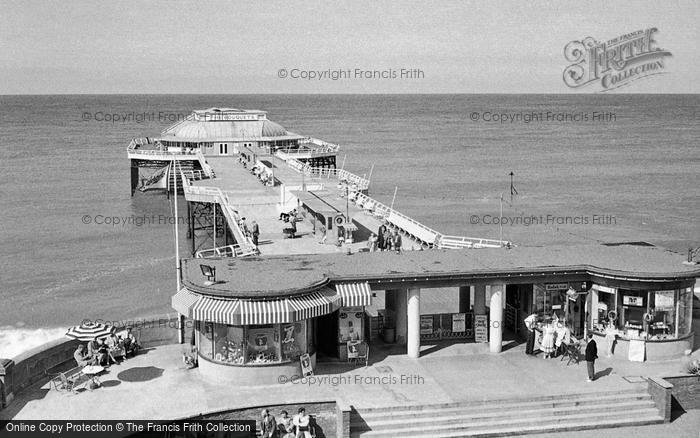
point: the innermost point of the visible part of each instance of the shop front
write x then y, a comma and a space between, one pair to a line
566, 300
642, 324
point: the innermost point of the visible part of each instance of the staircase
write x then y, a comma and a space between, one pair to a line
555, 413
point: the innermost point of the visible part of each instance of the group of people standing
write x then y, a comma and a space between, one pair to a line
385, 240
555, 336
252, 231
298, 426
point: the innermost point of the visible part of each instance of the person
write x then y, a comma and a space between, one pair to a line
81, 357
548, 339
244, 227
610, 337
372, 242
115, 348
268, 425
302, 423
98, 355
108, 351
255, 233
381, 237
530, 323
396, 241
130, 344
286, 426
563, 337
591, 356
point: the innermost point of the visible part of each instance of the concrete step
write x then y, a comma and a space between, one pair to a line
518, 427
499, 404
456, 416
524, 430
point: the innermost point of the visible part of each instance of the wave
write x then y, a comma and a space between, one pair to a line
17, 340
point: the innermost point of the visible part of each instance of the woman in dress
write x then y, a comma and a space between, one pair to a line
548, 339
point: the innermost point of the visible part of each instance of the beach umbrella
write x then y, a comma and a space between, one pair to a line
87, 331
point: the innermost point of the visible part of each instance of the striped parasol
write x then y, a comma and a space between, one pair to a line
88, 331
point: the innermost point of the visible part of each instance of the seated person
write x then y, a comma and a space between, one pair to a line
130, 345
82, 358
96, 352
116, 347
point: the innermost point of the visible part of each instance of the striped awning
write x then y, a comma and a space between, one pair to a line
256, 312
183, 302
354, 294
315, 304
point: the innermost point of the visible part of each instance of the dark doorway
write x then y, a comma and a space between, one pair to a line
327, 336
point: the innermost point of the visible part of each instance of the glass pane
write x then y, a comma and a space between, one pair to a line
663, 314
293, 340
206, 334
685, 311
263, 344
220, 332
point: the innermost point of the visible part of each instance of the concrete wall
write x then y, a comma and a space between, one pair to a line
30, 367
685, 391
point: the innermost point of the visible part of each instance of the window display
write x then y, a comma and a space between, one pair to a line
206, 337
293, 340
263, 344
350, 324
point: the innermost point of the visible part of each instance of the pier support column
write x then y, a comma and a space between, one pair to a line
401, 303
464, 301
413, 329
134, 176
498, 291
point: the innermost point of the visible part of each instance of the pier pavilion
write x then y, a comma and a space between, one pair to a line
246, 321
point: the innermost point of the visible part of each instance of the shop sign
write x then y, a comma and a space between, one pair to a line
481, 330
459, 322
629, 300
306, 368
556, 286
664, 300
426, 324
636, 350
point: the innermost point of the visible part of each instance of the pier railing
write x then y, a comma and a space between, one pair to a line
214, 194
316, 145
319, 172
418, 231
226, 251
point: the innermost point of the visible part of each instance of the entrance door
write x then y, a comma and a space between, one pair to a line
223, 149
327, 335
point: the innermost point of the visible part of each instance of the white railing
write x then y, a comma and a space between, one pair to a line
318, 172
418, 231
214, 194
321, 146
225, 251
205, 166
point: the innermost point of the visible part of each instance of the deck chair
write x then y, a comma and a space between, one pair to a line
64, 382
572, 353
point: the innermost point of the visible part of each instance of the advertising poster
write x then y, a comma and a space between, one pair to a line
350, 324
459, 322
426, 324
481, 330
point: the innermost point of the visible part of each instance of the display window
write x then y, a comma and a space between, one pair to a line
350, 324
293, 340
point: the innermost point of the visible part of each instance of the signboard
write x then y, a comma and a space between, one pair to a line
664, 300
481, 330
459, 322
629, 300
426, 324
306, 368
556, 286
637, 350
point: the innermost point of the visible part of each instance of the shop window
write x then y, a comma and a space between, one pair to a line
293, 340
229, 345
206, 337
662, 314
685, 311
263, 344
634, 308
350, 324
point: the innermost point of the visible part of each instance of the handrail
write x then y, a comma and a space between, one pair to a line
234, 250
341, 174
230, 214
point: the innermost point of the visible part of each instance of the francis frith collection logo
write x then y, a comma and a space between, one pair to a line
614, 63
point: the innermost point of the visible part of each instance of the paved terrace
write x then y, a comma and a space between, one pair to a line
257, 276
157, 386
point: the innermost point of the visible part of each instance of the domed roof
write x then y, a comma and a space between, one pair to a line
227, 124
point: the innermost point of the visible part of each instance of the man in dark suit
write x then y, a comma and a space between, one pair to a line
591, 356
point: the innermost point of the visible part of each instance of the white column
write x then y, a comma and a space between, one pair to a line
496, 329
413, 313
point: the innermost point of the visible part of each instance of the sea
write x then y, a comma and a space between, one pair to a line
533, 169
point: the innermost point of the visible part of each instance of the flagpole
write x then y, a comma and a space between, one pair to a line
396, 189
180, 317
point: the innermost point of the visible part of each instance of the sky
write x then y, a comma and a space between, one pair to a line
95, 47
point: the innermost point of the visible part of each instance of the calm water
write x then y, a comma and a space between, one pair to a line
640, 168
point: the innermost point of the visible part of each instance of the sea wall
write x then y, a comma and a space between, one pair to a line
685, 391
31, 366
